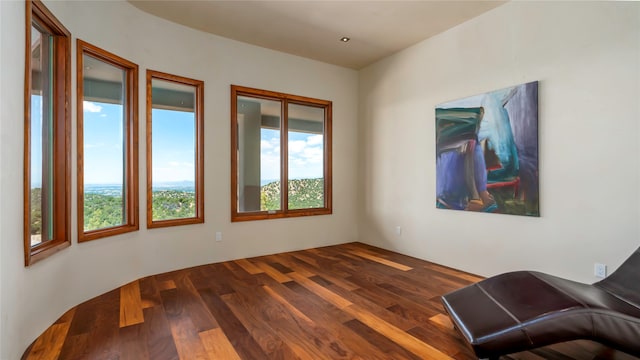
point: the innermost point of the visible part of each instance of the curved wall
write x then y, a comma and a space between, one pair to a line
33, 298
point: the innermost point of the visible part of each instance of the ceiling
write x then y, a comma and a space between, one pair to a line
313, 29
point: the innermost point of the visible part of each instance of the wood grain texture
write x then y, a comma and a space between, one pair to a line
381, 260
248, 266
130, 304
217, 345
325, 303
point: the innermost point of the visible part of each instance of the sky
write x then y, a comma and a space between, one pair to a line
173, 145
36, 141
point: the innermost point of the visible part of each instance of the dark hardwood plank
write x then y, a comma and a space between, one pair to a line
261, 331
379, 341
350, 345
295, 323
149, 292
133, 342
100, 322
75, 347
373, 308
448, 340
238, 335
160, 344
350, 301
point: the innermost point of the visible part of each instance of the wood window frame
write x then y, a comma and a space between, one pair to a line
285, 99
61, 113
131, 198
199, 149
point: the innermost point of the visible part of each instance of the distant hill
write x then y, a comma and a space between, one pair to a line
303, 194
103, 203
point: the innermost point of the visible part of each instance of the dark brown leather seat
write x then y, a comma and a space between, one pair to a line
523, 310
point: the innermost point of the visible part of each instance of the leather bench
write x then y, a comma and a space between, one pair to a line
522, 310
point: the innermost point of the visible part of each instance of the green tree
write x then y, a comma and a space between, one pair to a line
303, 194
36, 211
173, 204
102, 211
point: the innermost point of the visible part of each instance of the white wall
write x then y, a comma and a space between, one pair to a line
3, 115
33, 298
586, 56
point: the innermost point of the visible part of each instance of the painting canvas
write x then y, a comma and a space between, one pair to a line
487, 152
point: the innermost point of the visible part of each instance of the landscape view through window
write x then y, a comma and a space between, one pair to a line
173, 166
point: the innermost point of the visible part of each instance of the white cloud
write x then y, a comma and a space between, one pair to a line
270, 166
315, 140
297, 146
305, 156
270, 146
265, 145
91, 107
297, 161
302, 152
313, 154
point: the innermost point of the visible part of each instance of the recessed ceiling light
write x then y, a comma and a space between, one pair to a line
344, 39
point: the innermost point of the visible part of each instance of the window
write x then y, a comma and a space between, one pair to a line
107, 143
175, 150
281, 155
47, 155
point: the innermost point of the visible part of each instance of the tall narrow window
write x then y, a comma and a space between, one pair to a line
281, 155
107, 143
175, 150
47, 124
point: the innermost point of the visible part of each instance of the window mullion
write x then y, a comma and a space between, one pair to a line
61, 137
129, 184
284, 157
48, 110
328, 157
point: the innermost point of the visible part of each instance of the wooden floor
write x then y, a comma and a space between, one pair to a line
349, 301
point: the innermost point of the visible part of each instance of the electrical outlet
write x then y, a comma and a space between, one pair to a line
218, 235
398, 230
600, 270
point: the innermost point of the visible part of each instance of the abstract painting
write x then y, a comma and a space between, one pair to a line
487, 152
